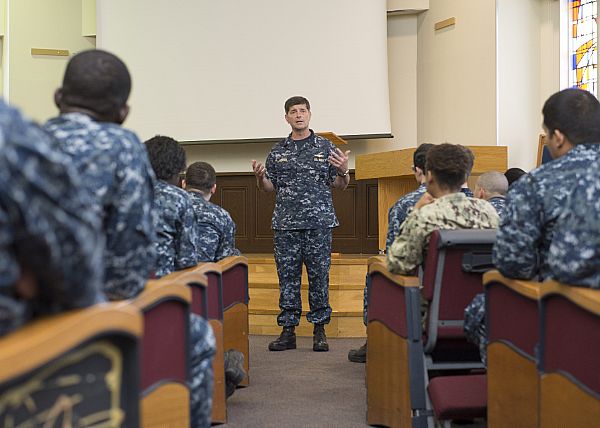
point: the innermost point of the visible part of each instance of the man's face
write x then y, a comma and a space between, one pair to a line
298, 116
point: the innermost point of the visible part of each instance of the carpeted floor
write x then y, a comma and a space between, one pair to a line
301, 388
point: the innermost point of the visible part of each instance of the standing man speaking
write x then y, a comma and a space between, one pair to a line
301, 169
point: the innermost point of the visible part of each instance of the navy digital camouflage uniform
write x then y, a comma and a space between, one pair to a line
176, 238
575, 247
114, 168
474, 326
45, 226
176, 233
216, 230
498, 202
398, 212
468, 192
533, 204
302, 222
202, 340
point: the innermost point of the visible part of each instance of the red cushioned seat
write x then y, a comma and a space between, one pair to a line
458, 397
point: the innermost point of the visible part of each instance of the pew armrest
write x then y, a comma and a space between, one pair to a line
401, 280
47, 338
529, 289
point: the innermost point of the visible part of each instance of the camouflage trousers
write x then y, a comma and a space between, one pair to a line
475, 327
203, 348
293, 248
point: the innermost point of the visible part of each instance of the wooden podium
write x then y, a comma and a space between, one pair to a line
395, 176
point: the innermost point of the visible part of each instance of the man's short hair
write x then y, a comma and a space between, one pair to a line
166, 156
201, 176
294, 101
575, 113
420, 156
450, 164
493, 182
513, 174
471, 159
96, 80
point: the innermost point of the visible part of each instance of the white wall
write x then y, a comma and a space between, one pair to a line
457, 73
528, 73
402, 71
519, 71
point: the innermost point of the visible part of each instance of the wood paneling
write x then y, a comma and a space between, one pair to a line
251, 209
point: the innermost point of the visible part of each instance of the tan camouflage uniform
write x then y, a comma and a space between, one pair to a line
454, 211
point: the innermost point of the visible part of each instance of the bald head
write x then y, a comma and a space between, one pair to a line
96, 82
491, 184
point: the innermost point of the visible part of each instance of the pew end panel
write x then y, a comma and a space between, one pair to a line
569, 347
235, 303
394, 364
165, 397
205, 282
79, 366
512, 320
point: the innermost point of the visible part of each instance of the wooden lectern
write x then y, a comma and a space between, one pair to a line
393, 171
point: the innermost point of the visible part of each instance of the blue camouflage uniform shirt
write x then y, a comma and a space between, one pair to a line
533, 205
400, 210
468, 192
114, 169
46, 228
176, 234
302, 177
575, 247
215, 230
498, 202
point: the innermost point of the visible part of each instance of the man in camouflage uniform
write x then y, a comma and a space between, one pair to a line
575, 247
536, 200
534, 203
112, 163
176, 249
176, 233
302, 168
396, 216
444, 206
216, 229
215, 241
51, 246
492, 186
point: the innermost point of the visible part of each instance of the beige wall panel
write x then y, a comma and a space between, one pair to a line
457, 73
32, 80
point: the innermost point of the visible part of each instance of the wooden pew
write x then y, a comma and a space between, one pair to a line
213, 304
569, 356
165, 394
512, 321
79, 368
394, 352
235, 308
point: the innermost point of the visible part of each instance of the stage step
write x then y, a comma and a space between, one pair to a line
346, 284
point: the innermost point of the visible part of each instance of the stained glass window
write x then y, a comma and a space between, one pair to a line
583, 43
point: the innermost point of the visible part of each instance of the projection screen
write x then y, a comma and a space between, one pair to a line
220, 70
